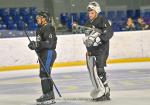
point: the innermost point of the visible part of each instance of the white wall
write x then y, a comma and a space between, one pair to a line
22, 3
14, 51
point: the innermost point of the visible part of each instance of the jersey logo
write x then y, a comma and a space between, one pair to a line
38, 38
50, 35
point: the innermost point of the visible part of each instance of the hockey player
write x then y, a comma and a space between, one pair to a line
45, 45
97, 43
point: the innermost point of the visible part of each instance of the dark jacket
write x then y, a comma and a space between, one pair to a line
102, 24
46, 37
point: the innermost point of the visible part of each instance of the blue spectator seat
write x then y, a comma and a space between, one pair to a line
20, 25
137, 14
33, 11
24, 11
103, 13
32, 25
69, 24
18, 18
111, 15
14, 11
83, 15
14, 18
118, 25
121, 15
147, 14
130, 13
82, 22
4, 12
3, 26
74, 16
12, 26
1, 20
7, 18
64, 18
28, 18
83, 18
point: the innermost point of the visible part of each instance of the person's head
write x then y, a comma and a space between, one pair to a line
43, 18
93, 10
140, 20
129, 21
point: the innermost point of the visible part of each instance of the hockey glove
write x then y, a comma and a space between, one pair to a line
32, 45
88, 41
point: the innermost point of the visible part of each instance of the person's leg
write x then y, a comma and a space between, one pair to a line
102, 75
48, 57
100, 63
98, 89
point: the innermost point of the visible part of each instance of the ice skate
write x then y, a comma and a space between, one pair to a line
46, 99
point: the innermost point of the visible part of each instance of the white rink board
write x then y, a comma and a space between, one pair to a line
134, 44
14, 51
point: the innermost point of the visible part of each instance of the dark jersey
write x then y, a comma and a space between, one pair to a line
46, 37
102, 24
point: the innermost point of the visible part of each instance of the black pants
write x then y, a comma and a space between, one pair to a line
48, 57
101, 59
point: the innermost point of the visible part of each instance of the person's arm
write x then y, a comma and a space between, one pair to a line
50, 38
107, 31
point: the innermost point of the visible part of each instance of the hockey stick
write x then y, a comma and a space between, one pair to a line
82, 27
86, 28
43, 65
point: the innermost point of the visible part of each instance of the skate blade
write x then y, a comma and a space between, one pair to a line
48, 102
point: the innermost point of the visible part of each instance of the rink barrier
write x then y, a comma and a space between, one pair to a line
130, 46
75, 63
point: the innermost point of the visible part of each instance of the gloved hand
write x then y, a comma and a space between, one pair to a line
88, 41
32, 45
92, 37
88, 54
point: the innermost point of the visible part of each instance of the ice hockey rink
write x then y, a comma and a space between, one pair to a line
129, 83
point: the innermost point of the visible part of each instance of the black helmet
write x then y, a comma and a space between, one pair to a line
44, 14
